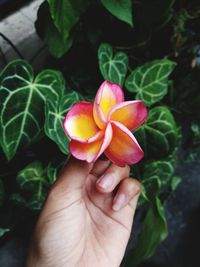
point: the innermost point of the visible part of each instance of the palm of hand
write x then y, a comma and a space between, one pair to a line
78, 226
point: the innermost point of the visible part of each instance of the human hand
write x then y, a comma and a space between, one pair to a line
82, 224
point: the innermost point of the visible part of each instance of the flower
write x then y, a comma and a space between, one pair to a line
105, 127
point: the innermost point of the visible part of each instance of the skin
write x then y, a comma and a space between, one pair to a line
83, 223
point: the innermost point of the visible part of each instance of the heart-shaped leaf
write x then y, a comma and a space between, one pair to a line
122, 9
22, 104
55, 113
150, 81
34, 184
159, 135
112, 67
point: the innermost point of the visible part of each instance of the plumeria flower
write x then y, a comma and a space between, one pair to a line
105, 127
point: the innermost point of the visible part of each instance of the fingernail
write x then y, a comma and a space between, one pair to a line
105, 181
119, 202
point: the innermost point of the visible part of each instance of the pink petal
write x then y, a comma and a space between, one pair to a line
124, 148
79, 123
91, 151
108, 95
130, 113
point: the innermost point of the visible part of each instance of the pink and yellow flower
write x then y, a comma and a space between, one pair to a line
105, 127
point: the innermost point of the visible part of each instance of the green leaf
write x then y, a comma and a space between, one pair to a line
22, 104
150, 81
161, 168
158, 136
56, 45
154, 228
55, 113
154, 231
53, 169
2, 193
121, 9
175, 181
3, 231
66, 13
34, 183
47, 30
113, 67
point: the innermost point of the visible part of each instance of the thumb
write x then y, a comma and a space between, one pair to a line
73, 175
71, 179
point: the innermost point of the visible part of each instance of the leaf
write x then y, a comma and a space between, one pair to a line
57, 46
161, 168
47, 31
53, 169
150, 81
121, 9
154, 228
159, 135
154, 231
113, 67
3, 231
66, 13
2, 192
22, 104
55, 113
175, 181
34, 183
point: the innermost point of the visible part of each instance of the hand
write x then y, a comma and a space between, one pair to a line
82, 224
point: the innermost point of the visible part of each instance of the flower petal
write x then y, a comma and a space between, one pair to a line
79, 123
124, 148
130, 113
108, 95
91, 151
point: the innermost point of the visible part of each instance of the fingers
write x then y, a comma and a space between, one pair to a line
128, 193
111, 178
100, 167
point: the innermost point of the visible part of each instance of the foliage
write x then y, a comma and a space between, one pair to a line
55, 113
154, 59
122, 9
150, 81
34, 181
22, 102
113, 67
159, 129
154, 219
